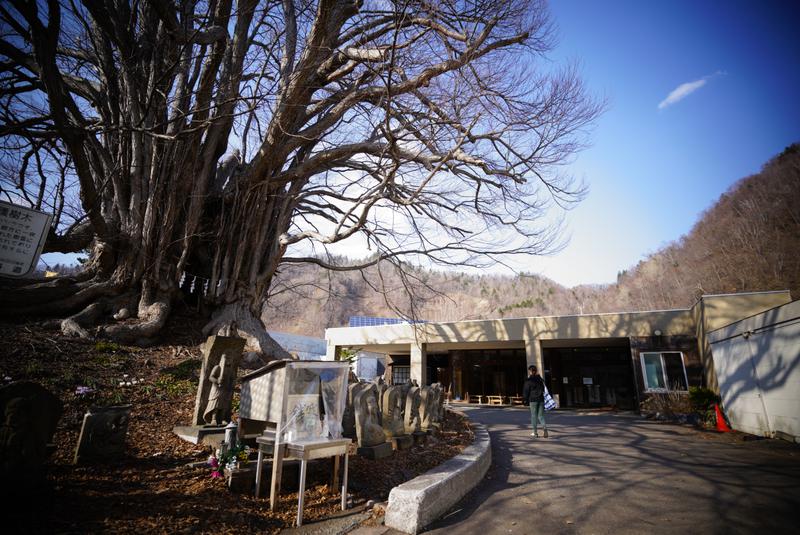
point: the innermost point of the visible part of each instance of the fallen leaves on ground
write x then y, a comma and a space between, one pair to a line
153, 489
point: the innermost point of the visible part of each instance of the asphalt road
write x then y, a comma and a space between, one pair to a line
616, 473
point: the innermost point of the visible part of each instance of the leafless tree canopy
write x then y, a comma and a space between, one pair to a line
207, 142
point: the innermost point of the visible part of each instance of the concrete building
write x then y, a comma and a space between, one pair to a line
593, 359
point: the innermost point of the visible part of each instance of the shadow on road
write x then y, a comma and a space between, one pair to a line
607, 472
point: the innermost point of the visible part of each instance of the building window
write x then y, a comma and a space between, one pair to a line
400, 374
664, 371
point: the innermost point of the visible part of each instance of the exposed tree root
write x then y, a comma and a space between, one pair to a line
151, 319
77, 324
92, 315
59, 297
142, 320
237, 319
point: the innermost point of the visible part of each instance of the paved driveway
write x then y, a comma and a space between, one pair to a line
609, 473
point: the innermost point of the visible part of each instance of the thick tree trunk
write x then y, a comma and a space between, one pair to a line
240, 319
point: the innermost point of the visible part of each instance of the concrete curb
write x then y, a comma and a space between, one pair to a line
416, 503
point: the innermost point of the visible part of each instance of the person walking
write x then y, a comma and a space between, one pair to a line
533, 394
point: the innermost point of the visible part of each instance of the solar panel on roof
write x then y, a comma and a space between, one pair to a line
370, 321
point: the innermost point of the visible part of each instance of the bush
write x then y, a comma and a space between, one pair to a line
702, 399
667, 404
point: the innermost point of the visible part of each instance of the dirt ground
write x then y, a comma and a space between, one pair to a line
153, 489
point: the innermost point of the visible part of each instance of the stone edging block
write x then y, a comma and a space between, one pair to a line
417, 503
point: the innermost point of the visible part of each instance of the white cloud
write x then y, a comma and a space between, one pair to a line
684, 90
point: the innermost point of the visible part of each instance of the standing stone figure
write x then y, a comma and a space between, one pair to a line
392, 408
442, 396
380, 389
406, 387
426, 407
349, 417
28, 417
219, 398
436, 405
411, 417
368, 428
221, 358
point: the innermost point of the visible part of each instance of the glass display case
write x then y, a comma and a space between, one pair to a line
301, 400
294, 408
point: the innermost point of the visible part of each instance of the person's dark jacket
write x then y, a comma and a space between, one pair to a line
533, 390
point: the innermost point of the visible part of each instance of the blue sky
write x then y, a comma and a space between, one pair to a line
652, 170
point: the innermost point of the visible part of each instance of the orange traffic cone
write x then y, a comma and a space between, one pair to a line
722, 425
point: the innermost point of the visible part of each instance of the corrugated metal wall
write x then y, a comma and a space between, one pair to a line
757, 362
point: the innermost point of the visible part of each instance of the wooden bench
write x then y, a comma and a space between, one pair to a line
495, 400
476, 398
516, 400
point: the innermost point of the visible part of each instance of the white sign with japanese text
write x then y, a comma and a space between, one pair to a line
22, 235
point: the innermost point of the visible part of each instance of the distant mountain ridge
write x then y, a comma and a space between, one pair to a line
748, 240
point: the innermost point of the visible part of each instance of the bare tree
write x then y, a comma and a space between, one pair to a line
423, 129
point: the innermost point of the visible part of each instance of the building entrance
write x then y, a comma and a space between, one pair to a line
487, 372
591, 376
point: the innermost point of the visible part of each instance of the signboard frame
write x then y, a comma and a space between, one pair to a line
8, 226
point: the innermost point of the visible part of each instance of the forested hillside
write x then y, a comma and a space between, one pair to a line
748, 240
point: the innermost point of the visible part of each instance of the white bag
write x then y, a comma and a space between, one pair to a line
549, 402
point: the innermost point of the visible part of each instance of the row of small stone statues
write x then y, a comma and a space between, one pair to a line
377, 413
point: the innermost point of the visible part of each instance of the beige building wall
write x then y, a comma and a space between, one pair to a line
418, 340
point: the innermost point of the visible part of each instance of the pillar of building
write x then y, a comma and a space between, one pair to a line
419, 363
533, 355
456, 374
332, 352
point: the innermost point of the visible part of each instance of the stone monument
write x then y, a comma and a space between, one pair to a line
217, 377
435, 410
426, 408
212, 407
380, 389
29, 415
371, 438
103, 434
411, 417
349, 418
441, 397
393, 425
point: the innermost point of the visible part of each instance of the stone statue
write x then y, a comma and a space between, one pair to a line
442, 394
411, 420
392, 408
368, 428
218, 407
426, 407
435, 410
380, 389
406, 387
217, 378
28, 417
349, 418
